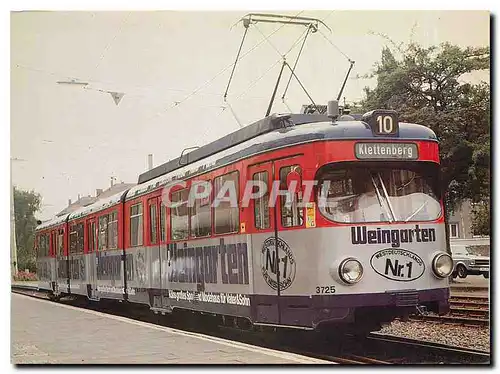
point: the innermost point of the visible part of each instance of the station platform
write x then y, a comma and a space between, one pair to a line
27, 284
43, 332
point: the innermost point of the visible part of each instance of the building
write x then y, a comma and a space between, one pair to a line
100, 194
460, 225
460, 222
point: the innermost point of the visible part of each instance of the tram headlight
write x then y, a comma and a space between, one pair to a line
442, 265
350, 270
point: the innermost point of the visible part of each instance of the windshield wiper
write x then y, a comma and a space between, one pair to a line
387, 197
418, 210
379, 197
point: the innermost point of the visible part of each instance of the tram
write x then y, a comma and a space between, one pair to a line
305, 221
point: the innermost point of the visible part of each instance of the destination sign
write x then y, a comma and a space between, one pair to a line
386, 151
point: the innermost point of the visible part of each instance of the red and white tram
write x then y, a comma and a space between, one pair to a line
355, 239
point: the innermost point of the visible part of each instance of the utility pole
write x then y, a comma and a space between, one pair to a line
13, 244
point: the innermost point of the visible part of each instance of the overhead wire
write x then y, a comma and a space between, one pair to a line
191, 93
106, 48
252, 84
283, 100
246, 23
128, 92
296, 61
237, 58
208, 82
234, 114
335, 46
292, 70
301, 85
267, 39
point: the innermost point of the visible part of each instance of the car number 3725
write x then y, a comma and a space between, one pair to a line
325, 289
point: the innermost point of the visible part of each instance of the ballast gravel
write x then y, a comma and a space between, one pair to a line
463, 336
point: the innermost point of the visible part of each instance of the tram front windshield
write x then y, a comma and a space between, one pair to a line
374, 194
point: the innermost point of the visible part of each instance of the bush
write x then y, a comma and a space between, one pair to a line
29, 264
25, 276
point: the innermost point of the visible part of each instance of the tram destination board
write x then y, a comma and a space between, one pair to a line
386, 151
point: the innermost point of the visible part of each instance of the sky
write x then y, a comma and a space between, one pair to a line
68, 141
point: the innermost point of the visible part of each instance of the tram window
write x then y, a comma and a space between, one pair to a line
47, 245
453, 230
201, 220
291, 214
60, 243
73, 239
92, 229
113, 230
179, 218
226, 216
162, 222
152, 223
91, 235
47, 241
52, 242
261, 208
80, 238
76, 239
103, 233
41, 245
136, 228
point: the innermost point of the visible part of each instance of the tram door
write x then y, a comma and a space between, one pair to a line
61, 263
155, 256
53, 258
92, 260
270, 222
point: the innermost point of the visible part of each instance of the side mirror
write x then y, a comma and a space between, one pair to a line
294, 182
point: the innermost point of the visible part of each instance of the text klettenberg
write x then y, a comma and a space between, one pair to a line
386, 150
361, 235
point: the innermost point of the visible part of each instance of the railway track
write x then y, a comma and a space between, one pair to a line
467, 310
418, 351
454, 319
374, 349
469, 299
481, 313
469, 304
456, 289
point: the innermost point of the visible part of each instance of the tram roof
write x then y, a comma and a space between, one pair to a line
273, 132
99, 205
52, 222
270, 123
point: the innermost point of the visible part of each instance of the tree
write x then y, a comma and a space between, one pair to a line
481, 219
426, 86
26, 204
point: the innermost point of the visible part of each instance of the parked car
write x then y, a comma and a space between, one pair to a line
467, 263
